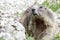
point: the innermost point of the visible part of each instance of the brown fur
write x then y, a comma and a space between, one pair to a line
42, 26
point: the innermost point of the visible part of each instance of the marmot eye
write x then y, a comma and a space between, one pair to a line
40, 6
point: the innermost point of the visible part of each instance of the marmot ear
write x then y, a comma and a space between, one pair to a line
27, 10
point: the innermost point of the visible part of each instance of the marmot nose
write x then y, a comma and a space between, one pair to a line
33, 12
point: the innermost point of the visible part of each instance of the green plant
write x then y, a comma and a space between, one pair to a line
29, 37
57, 37
1, 38
52, 5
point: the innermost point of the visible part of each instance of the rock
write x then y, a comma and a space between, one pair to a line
8, 32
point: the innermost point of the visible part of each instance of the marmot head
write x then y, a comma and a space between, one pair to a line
40, 11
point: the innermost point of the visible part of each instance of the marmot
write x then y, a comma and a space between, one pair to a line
41, 22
